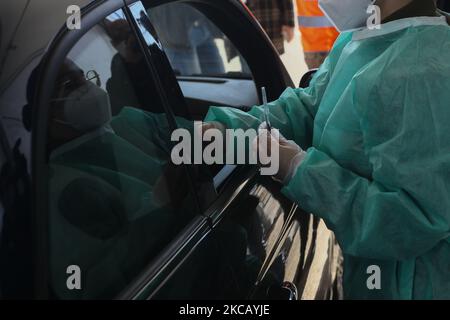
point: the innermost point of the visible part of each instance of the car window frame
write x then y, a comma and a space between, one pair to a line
214, 11
240, 179
55, 54
227, 171
160, 64
261, 77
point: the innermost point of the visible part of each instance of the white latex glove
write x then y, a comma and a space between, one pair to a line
291, 155
205, 126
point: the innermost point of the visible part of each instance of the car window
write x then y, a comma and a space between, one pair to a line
194, 45
115, 199
209, 68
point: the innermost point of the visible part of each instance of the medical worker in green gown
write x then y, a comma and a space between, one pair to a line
367, 146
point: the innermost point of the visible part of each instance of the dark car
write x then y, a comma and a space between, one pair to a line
91, 206
443, 5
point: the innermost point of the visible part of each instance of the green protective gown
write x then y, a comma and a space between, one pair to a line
375, 122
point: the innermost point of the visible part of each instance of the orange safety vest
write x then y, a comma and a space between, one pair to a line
318, 33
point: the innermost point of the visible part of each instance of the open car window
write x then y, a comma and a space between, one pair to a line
194, 45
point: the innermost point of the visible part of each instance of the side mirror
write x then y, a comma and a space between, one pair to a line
306, 79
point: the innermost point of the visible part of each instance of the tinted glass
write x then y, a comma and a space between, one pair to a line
115, 199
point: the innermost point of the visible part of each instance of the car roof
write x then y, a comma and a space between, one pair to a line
26, 27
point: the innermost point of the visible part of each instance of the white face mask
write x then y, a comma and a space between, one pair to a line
346, 15
87, 108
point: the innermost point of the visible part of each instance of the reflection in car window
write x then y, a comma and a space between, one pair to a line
113, 205
194, 45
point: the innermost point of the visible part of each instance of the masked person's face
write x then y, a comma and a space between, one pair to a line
346, 15
79, 107
85, 109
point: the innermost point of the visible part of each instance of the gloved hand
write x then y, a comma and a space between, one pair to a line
291, 155
205, 126
288, 33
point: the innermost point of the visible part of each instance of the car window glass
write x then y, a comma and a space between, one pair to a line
2, 155
209, 68
115, 199
193, 43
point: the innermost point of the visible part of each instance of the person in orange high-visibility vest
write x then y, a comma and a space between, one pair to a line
318, 33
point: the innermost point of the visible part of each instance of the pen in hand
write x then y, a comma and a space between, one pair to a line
266, 108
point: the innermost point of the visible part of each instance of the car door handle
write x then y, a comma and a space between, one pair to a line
287, 291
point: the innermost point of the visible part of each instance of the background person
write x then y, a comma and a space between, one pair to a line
277, 19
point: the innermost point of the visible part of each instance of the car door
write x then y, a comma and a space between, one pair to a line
16, 252
261, 243
110, 207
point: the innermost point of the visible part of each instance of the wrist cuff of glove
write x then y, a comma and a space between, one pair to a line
293, 167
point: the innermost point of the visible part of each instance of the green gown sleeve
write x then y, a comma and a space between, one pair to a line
402, 210
296, 108
294, 112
